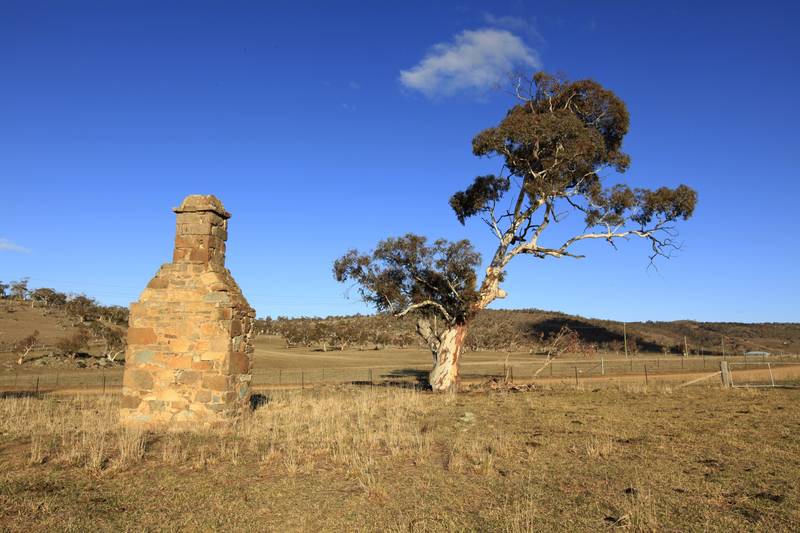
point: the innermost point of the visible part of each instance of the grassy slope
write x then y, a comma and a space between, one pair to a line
388, 459
18, 320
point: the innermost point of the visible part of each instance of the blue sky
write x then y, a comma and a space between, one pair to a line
323, 128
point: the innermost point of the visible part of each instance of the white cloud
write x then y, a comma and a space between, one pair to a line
474, 60
8, 246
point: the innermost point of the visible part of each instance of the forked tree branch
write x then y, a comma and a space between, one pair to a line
523, 233
427, 303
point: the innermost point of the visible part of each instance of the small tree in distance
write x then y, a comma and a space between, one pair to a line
554, 144
113, 338
24, 346
72, 346
19, 289
48, 297
82, 307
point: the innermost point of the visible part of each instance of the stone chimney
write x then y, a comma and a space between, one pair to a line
187, 363
201, 231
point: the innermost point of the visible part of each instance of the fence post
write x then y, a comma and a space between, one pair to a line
625, 338
280, 376
645, 374
602, 366
771, 379
512, 372
370, 376
576, 376
726, 374
37, 385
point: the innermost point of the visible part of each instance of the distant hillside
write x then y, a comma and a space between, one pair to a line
64, 318
518, 330
19, 319
533, 329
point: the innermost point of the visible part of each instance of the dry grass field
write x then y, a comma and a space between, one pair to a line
383, 458
610, 453
276, 366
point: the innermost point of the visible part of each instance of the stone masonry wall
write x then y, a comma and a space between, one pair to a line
189, 353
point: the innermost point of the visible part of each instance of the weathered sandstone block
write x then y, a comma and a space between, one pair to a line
188, 359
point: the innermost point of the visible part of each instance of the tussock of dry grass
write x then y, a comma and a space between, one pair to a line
299, 432
343, 429
631, 457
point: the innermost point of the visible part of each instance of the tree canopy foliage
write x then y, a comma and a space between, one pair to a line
407, 274
555, 144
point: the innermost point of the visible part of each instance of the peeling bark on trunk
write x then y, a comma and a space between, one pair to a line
447, 346
445, 374
446, 350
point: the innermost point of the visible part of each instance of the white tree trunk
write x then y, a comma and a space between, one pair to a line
446, 358
24, 354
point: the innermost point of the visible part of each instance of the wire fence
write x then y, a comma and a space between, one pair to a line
782, 370
87, 380
762, 374
536, 369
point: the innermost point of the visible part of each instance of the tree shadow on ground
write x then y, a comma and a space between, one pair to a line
394, 379
19, 394
397, 384
416, 373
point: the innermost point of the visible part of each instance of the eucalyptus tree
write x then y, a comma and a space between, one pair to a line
24, 346
82, 307
19, 289
555, 144
48, 297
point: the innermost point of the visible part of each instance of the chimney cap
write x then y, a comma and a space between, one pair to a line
202, 202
